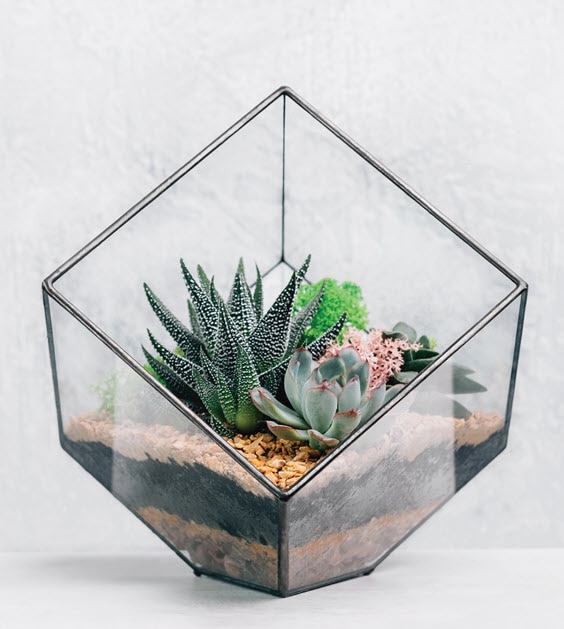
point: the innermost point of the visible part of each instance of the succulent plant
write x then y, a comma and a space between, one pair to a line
338, 298
329, 399
232, 347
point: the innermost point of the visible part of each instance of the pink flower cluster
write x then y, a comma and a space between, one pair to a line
385, 356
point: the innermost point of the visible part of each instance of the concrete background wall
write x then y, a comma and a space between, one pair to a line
101, 101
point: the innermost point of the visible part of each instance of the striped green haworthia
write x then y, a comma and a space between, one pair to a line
231, 346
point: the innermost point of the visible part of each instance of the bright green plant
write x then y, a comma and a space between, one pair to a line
338, 298
232, 346
329, 400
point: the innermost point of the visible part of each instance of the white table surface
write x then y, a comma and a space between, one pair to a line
412, 589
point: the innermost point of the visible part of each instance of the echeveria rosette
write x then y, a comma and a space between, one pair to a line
231, 347
329, 400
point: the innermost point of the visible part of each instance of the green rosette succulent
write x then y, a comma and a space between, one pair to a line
232, 346
329, 400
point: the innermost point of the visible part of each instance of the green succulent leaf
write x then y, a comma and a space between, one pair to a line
405, 377
181, 366
246, 379
227, 400
317, 441
206, 312
227, 344
362, 370
287, 432
409, 333
240, 304
267, 404
319, 346
204, 279
343, 424
418, 365
334, 368
319, 406
303, 319
186, 340
350, 395
174, 383
209, 395
258, 295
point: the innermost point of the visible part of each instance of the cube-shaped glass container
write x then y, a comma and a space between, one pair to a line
283, 182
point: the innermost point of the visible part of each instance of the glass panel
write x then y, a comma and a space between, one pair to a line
228, 206
159, 464
361, 227
406, 465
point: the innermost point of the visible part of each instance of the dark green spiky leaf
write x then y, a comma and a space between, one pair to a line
204, 279
205, 310
241, 307
303, 319
194, 320
220, 427
188, 342
269, 339
210, 370
181, 366
319, 346
246, 379
258, 295
172, 381
209, 396
227, 344
227, 400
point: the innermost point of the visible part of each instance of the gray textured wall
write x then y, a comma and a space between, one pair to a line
100, 101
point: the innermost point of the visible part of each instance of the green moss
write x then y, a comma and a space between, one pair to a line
338, 298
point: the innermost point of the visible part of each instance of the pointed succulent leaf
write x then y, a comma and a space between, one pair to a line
317, 441
362, 370
350, 357
303, 319
204, 279
269, 339
226, 399
301, 365
258, 295
350, 395
287, 432
219, 427
246, 379
292, 391
333, 368
174, 383
374, 402
209, 395
194, 320
186, 340
319, 346
320, 405
181, 366
206, 312
271, 407
343, 424
227, 344
209, 369
241, 307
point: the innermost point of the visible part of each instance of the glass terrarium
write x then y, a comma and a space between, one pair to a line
282, 184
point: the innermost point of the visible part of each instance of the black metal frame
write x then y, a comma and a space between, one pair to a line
49, 290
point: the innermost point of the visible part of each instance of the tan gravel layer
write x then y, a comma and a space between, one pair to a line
283, 462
